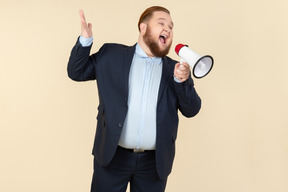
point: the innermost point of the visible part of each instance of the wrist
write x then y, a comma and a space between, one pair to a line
86, 42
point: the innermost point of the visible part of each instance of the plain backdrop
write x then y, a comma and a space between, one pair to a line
237, 143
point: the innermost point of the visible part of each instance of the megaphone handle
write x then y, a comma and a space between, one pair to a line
182, 61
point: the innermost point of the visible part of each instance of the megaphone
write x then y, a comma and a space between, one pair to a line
200, 65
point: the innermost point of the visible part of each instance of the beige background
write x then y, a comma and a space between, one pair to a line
237, 143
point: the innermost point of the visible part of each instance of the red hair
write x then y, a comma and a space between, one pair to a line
147, 14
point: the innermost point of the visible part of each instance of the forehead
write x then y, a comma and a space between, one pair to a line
161, 15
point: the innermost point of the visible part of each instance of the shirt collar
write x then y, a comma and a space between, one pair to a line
141, 53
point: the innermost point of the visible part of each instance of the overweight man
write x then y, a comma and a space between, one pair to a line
141, 91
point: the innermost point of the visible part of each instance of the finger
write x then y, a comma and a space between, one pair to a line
182, 73
179, 72
82, 16
89, 25
182, 77
185, 65
177, 65
182, 70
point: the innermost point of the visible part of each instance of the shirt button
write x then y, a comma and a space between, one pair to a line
120, 124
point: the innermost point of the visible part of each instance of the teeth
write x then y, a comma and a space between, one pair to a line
164, 36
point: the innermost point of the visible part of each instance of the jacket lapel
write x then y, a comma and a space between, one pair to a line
167, 70
127, 61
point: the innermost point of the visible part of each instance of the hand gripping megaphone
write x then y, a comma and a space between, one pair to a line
200, 65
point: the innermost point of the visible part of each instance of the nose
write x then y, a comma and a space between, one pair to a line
167, 29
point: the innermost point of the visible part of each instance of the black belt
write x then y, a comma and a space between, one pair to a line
135, 150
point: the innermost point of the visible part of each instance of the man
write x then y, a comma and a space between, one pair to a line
140, 91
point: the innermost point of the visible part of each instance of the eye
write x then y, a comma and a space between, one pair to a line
161, 23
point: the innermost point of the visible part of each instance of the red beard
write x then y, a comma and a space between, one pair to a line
153, 45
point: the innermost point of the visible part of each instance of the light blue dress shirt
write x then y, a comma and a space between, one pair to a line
139, 129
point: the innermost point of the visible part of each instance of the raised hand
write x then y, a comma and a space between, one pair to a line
86, 29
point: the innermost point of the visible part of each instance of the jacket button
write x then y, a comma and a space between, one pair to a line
120, 124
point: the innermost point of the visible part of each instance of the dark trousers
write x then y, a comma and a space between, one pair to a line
137, 168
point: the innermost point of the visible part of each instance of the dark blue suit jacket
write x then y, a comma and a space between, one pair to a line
110, 67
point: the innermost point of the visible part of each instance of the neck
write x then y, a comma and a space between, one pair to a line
145, 48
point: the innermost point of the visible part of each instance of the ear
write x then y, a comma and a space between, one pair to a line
143, 27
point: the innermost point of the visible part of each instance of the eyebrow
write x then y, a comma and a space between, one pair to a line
165, 20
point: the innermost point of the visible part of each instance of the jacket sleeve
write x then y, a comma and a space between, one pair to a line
81, 65
189, 102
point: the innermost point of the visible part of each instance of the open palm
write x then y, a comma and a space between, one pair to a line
86, 29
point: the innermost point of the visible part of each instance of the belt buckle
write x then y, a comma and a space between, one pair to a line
138, 150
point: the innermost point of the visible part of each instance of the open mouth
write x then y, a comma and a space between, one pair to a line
163, 38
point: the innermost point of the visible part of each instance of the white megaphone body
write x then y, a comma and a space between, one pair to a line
200, 65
